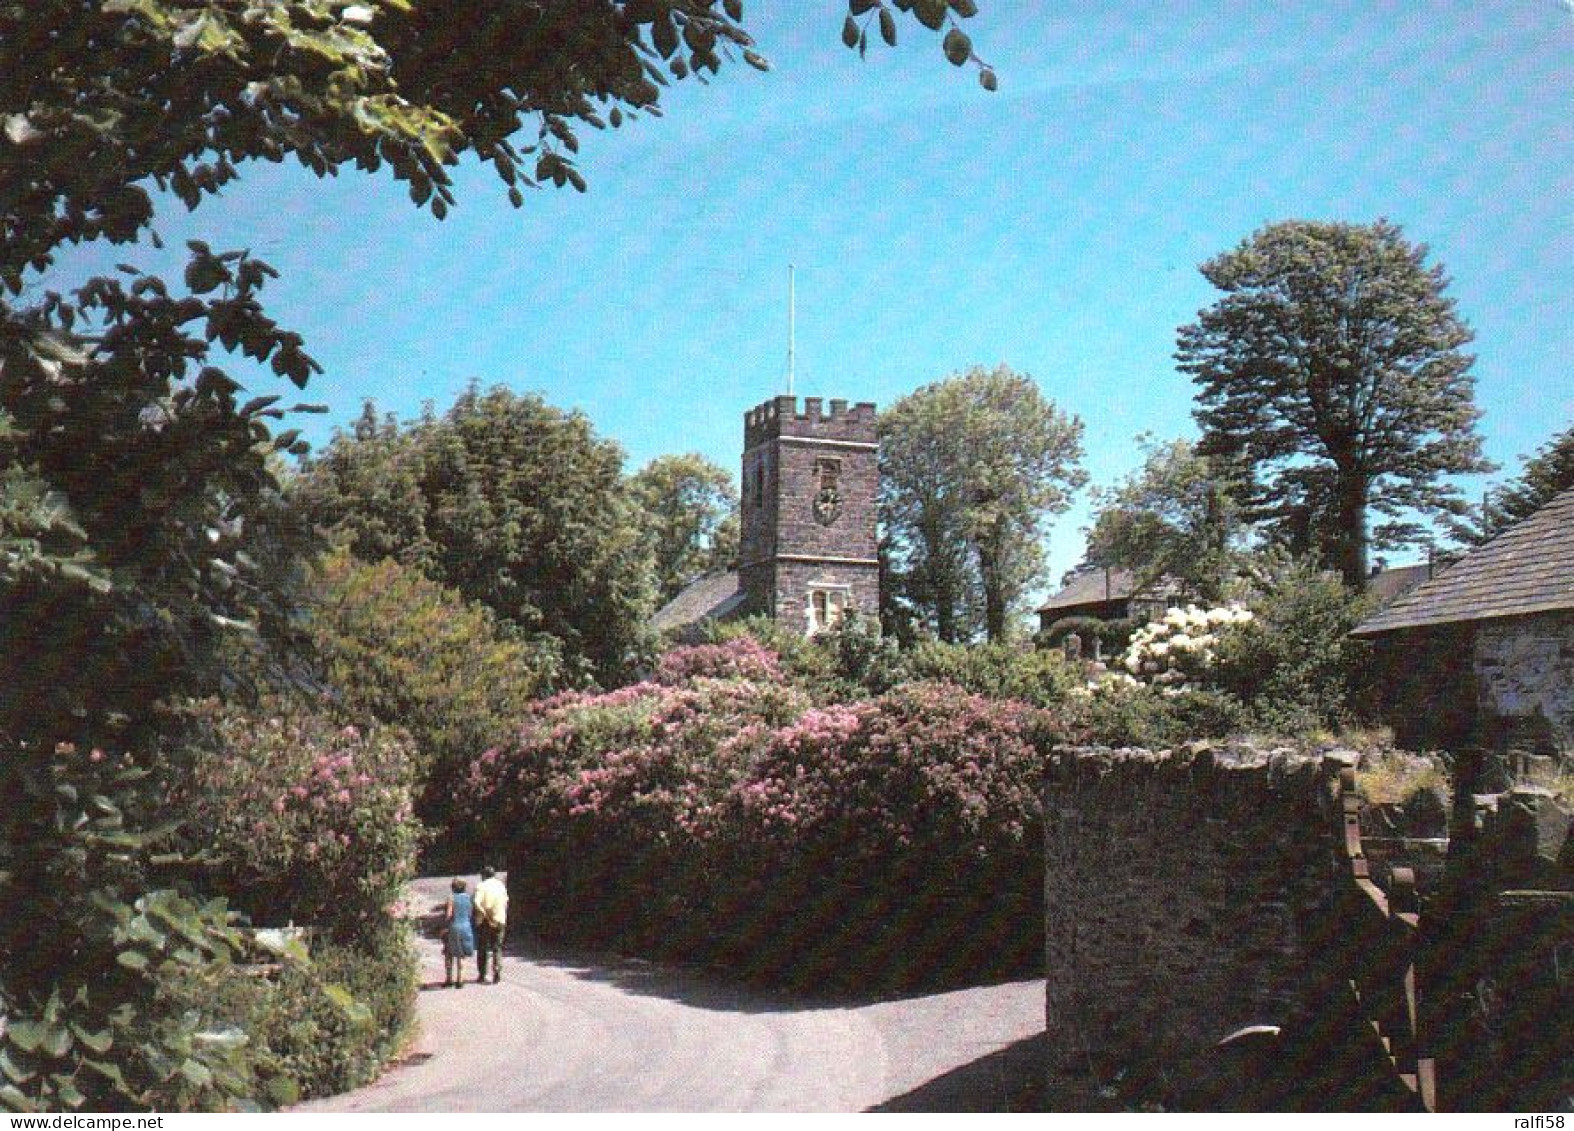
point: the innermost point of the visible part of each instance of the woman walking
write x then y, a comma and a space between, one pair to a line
458, 934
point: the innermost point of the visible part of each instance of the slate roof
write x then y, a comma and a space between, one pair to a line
1528, 568
1089, 588
1389, 585
712, 597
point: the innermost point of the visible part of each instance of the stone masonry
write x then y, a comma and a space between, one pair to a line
1525, 674
810, 483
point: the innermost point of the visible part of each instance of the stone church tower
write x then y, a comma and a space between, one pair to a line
809, 551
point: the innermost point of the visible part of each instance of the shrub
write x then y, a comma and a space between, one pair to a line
851, 660
1127, 713
1179, 650
741, 657
927, 769
100, 918
316, 1027
307, 820
400, 648
1295, 665
725, 818
998, 671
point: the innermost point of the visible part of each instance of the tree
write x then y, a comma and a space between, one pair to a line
690, 509
1331, 373
515, 504
1175, 517
1546, 474
971, 468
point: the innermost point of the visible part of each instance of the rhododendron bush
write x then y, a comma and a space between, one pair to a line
307, 819
893, 839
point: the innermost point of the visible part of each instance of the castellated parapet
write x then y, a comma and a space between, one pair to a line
836, 421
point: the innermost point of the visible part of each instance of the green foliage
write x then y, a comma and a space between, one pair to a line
398, 647
316, 1027
140, 524
971, 468
1545, 475
1112, 635
848, 661
1331, 373
303, 818
1175, 518
997, 671
1294, 664
1120, 714
513, 503
98, 921
690, 510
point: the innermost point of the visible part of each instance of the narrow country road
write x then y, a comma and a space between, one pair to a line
564, 1033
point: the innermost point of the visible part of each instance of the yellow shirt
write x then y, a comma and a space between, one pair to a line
491, 902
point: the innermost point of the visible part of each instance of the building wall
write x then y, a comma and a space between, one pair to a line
786, 547
1524, 668
1501, 682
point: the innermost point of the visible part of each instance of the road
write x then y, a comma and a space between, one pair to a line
567, 1032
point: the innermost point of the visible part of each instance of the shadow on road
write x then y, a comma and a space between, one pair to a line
698, 986
1009, 1080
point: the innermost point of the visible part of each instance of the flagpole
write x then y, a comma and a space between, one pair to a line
792, 311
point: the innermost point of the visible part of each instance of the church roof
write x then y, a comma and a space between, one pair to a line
712, 597
1527, 568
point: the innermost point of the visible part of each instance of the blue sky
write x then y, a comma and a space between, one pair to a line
1055, 225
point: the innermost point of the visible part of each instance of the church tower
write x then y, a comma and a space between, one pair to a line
809, 551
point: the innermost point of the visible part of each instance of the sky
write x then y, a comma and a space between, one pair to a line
1055, 226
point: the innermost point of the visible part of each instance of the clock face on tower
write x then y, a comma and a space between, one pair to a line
828, 495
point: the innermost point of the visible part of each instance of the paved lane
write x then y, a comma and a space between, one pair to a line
563, 1033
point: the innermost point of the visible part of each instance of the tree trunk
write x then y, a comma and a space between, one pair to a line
990, 573
1353, 491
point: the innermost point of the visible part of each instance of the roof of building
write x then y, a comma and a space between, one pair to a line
1094, 587
1527, 568
1388, 585
712, 597
1091, 588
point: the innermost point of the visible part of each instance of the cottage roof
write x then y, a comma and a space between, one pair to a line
1388, 585
1527, 568
712, 597
1096, 586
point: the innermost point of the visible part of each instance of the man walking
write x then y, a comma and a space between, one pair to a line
491, 922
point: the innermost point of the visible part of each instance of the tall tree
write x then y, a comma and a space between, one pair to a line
971, 470
1546, 474
1175, 517
512, 502
690, 510
1331, 371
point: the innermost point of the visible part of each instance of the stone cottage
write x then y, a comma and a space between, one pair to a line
1482, 654
809, 551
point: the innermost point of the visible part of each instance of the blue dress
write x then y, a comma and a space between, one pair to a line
459, 938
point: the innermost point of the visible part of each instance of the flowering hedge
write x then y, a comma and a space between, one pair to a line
891, 838
739, 658
308, 820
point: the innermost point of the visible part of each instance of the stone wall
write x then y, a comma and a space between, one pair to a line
1524, 670
1213, 891
1186, 899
